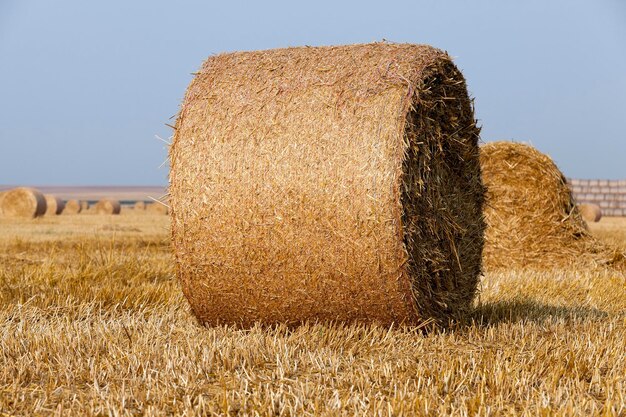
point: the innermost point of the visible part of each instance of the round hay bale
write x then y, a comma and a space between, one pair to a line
532, 219
140, 205
54, 205
23, 202
107, 206
333, 183
2, 193
590, 212
84, 205
157, 208
72, 207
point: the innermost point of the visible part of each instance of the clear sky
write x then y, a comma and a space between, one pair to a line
86, 85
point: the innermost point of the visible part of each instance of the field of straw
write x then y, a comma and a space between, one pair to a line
93, 322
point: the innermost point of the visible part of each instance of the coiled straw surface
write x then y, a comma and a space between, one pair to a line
333, 183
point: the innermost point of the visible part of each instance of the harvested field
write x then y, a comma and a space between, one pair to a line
93, 321
351, 193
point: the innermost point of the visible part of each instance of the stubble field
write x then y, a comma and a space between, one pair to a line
92, 322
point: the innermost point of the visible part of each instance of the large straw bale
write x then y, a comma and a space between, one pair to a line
532, 219
72, 207
108, 206
590, 212
23, 202
54, 205
334, 183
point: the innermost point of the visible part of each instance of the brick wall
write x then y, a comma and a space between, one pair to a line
610, 195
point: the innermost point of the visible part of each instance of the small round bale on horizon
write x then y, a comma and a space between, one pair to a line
54, 205
84, 205
108, 206
72, 207
2, 193
590, 212
23, 202
140, 205
157, 208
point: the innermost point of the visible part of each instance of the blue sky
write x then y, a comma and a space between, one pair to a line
85, 86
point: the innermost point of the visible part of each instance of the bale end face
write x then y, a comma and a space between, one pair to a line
347, 188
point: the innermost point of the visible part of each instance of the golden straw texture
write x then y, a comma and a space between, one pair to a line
23, 202
532, 220
107, 206
331, 183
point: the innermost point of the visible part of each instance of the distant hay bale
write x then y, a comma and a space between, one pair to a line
157, 208
54, 205
532, 219
333, 183
2, 193
140, 205
23, 202
590, 212
84, 205
72, 207
108, 206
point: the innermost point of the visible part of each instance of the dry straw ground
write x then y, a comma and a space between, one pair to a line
92, 322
